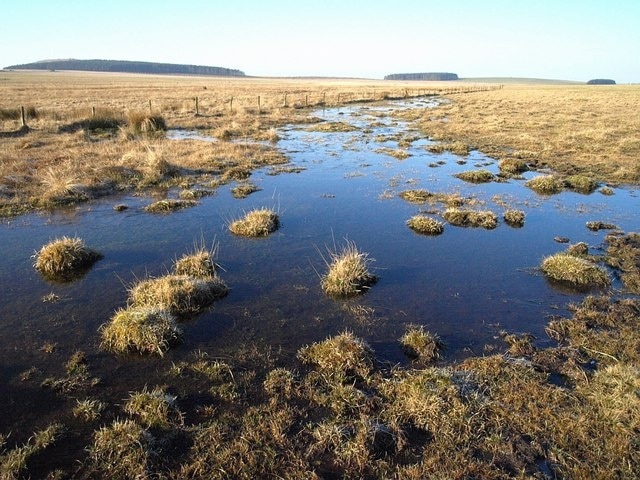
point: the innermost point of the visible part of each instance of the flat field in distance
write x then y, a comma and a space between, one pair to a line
573, 129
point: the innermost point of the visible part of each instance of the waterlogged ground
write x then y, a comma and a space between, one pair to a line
466, 285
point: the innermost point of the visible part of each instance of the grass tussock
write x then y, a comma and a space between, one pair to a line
140, 124
88, 409
425, 225
476, 176
512, 166
396, 153
597, 225
180, 294
348, 272
579, 249
200, 264
169, 205
328, 127
243, 190
256, 223
608, 191
65, 258
343, 354
458, 148
123, 450
145, 329
421, 345
416, 195
623, 253
574, 270
471, 218
514, 218
154, 409
421, 196
545, 184
580, 184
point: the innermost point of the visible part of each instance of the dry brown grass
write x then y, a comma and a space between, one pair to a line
572, 129
348, 272
256, 223
471, 218
64, 258
574, 270
425, 225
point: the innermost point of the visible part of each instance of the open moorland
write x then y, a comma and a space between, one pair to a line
318, 278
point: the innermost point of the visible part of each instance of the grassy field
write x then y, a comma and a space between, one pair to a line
570, 410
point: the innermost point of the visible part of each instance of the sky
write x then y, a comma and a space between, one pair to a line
555, 39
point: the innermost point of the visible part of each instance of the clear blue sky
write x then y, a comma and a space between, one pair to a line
562, 39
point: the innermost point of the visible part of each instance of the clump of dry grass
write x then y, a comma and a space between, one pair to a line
458, 148
416, 196
145, 329
425, 225
579, 249
580, 183
471, 218
598, 225
180, 294
200, 264
574, 270
123, 450
243, 190
64, 258
606, 191
476, 176
88, 409
512, 166
332, 127
154, 409
348, 273
419, 344
397, 153
256, 223
168, 205
545, 184
344, 354
514, 218
143, 124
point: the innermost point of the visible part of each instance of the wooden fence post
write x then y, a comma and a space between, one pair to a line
285, 100
93, 112
197, 107
259, 109
306, 100
23, 118
149, 106
231, 105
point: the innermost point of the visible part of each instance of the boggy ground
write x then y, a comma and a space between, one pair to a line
567, 411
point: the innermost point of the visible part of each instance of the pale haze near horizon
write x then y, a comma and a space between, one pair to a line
570, 40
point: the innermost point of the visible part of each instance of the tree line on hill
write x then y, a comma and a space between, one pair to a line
430, 76
125, 66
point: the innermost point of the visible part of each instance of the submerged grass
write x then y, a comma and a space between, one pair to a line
256, 223
65, 257
574, 270
168, 205
145, 329
348, 272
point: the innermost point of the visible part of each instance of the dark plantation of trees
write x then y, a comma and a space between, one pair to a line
601, 81
125, 66
431, 76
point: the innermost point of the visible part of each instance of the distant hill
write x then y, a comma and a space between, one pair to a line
429, 76
125, 66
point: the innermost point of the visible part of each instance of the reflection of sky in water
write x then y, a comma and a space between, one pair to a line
465, 285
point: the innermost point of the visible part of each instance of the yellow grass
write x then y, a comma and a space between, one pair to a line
572, 129
256, 223
348, 273
64, 257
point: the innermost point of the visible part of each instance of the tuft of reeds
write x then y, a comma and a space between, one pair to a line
545, 184
88, 409
514, 218
512, 166
145, 329
243, 190
419, 344
180, 294
476, 176
143, 124
343, 354
598, 225
574, 270
580, 183
199, 264
471, 218
256, 223
65, 257
154, 409
425, 225
168, 205
348, 272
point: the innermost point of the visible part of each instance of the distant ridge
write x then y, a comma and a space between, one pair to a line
126, 66
430, 76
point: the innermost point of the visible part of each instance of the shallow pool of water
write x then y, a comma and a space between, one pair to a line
465, 285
